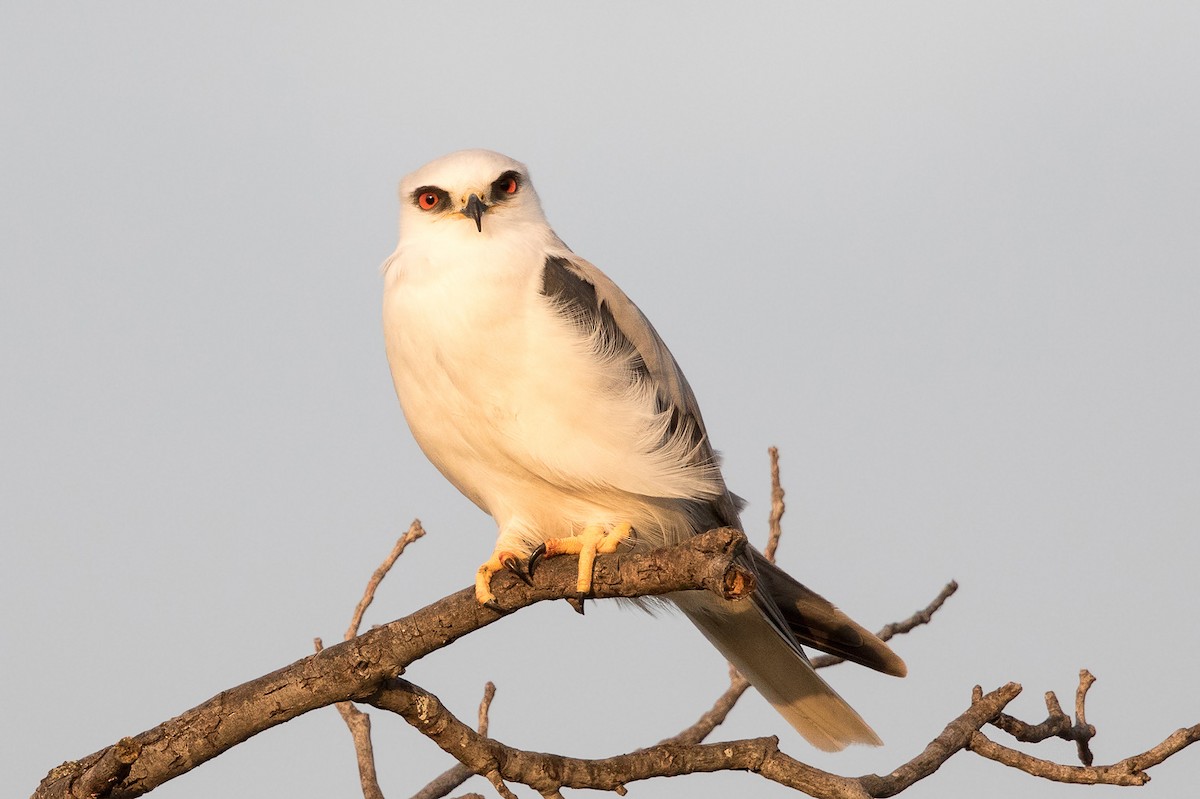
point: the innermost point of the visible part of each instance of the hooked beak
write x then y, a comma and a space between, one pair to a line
474, 209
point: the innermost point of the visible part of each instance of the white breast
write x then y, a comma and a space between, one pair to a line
505, 397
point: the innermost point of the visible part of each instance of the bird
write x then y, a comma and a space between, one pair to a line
542, 392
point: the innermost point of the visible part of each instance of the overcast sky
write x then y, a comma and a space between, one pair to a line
946, 256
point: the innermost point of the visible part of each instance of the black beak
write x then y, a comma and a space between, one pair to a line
474, 209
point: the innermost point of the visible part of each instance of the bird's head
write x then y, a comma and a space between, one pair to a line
470, 190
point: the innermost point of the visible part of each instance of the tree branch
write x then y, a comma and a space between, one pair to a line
366, 669
549, 773
457, 774
357, 668
1130, 771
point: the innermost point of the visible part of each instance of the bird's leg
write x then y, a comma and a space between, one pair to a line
500, 559
593, 540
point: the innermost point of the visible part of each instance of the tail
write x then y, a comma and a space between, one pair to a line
779, 670
814, 621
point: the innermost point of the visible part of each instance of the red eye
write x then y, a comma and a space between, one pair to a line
510, 186
428, 201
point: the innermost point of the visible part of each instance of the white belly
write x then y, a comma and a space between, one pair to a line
505, 397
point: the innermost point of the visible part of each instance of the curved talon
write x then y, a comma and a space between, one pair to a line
500, 559
494, 606
513, 564
577, 603
535, 556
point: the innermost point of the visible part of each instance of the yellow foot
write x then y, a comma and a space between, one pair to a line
594, 540
501, 559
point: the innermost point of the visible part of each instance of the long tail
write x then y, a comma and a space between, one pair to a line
779, 671
762, 638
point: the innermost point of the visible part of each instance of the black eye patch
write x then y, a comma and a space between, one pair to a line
505, 186
429, 198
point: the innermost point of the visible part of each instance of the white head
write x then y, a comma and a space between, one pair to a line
476, 191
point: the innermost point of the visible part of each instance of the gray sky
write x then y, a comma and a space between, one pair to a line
945, 256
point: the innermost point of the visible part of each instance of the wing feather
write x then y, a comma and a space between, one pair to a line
601, 309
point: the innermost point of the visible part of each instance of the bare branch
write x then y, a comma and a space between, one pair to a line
485, 704
548, 773
777, 508
355, 668
366, 668
415, 531
1084, 731
1130, 771
359, 724
1057, 724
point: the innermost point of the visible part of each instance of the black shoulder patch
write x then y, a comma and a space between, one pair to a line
561, 283
578, 297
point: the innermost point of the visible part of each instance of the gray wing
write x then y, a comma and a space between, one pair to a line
797, 614
592, 298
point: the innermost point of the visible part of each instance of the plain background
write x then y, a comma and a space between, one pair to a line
946, 256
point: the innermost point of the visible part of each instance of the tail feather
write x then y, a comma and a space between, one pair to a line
815, 621
778, 669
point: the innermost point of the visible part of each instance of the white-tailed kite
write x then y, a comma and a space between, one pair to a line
542, 392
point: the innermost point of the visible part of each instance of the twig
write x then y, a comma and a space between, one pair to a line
1057, 724
777, 508
414, 532
1084, 731
485, 704
922, 616
359, 724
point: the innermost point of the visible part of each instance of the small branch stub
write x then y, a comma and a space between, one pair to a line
738, 583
